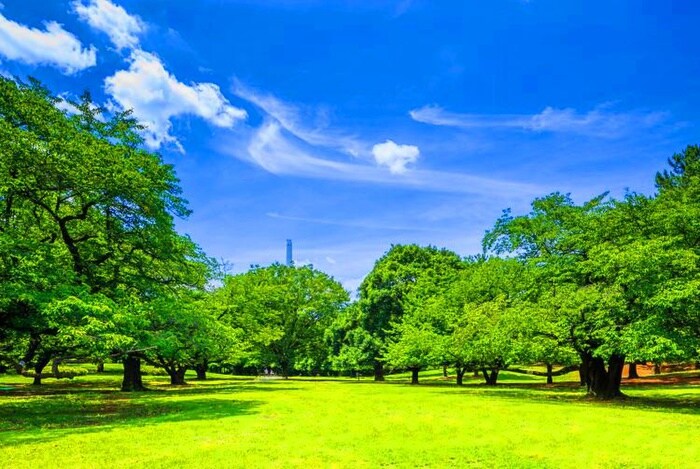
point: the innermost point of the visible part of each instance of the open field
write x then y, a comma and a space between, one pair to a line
245, 422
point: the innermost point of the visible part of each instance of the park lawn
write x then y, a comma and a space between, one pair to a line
243, 422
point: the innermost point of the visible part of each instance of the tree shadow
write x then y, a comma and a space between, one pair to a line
572, 393
211, 385
30, 420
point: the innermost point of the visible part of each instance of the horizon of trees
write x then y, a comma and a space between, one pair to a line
92, 269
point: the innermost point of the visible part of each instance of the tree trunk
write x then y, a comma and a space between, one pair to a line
284, 367
697, 365
378, 371
177, 375
584, 368
41, 362
132, 374
476, 373
549, 374
605, 382
632, 372
414, 375
460, 376
657, 368
201, 370
444, 371
100, 367
491, 377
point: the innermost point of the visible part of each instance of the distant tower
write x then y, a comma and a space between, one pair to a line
290, 262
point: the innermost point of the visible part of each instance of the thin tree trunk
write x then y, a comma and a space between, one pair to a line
549, 374
657, 368
132, 374
100, 367
460, 376
584, 370
378, 371
444, 371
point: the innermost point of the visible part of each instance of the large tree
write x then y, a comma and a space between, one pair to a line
285, 311
394, 282
91, 201
608, 277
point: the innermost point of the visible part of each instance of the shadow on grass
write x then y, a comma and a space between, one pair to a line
677, 401
29, 413
106, 387
25, 420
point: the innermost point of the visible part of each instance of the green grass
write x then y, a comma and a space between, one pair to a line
242, 422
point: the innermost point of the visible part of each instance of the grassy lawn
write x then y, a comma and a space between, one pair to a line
243, 422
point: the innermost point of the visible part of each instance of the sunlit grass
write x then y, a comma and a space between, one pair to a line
245, 422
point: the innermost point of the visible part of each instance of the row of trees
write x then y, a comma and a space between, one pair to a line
594, 285
91, 268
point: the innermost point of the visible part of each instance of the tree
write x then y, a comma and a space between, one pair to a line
284, 311
413, 348
604, 274
91, 201
481, 321
350, 345
182, 334
384, 293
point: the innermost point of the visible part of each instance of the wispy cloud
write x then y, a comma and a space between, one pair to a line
122, 28
296, 121
54, 46
599, 122
272, 149
353, 223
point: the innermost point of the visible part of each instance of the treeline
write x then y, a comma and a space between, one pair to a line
92, 269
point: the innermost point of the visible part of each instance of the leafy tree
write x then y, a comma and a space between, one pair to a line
183, 334
603, 272
385, 292
413, 348
284, 312
91, 201
351, 346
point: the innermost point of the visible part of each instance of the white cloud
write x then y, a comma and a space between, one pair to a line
394, 156
296, 121
599, 122
156, 96
55, 46
122, 28
269, 148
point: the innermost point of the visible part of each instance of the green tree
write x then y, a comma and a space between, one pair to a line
90, 201
386, 291
284, 312
603, 272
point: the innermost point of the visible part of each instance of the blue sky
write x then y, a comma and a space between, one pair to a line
352, 125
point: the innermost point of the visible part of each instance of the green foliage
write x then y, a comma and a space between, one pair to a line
400, 281
284, 312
